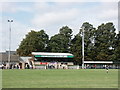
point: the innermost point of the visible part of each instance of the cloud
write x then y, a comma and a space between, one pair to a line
54, 15
12, 7
48, 14
109, 11
109, 15
53, 18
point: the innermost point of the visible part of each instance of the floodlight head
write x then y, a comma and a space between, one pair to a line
10, 20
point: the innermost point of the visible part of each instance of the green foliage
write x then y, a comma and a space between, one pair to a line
76, 48
34, 41
101, 43
89, 37
117, 47
61, 41
104, 41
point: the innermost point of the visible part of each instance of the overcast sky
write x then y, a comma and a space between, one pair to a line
51, 16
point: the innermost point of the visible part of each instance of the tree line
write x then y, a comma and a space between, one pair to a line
101, 43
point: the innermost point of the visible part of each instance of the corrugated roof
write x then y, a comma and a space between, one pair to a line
104, 62
50, 53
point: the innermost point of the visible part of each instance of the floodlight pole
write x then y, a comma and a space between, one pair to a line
83, 47
9, 21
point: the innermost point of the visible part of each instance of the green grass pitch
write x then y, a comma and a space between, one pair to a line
87, 78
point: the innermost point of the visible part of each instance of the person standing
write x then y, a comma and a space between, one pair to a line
107, 67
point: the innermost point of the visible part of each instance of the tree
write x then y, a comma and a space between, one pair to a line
76, 48
100, 44
89, 37
34, 41
76, 43
61, 41
117, 48
104, 41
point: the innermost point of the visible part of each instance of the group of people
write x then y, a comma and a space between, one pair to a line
27, 66
49, 66
11, 66
55, 65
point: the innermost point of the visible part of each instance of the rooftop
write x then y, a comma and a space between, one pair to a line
50, 54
